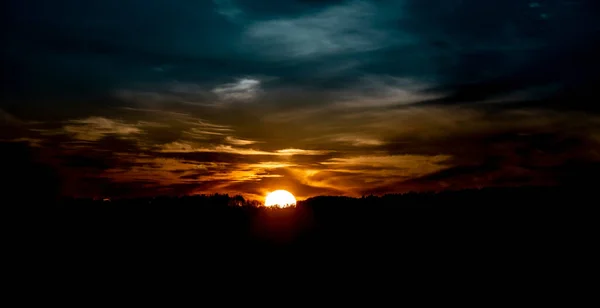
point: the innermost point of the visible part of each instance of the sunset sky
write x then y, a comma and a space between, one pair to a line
124, 98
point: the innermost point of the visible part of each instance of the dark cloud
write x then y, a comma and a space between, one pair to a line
90, 50
516, 154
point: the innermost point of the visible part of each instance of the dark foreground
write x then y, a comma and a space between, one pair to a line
528, 232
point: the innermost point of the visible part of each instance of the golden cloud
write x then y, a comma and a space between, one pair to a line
186, 147
95, 128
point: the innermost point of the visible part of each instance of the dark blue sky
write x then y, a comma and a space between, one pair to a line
453, 83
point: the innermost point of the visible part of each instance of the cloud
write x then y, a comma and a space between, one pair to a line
413, 148
356, 174
155, 96
208, 125
164, 113
95, 128
7, 119
199, 176
197, 133
370, 96
273, 165
187, 147
375, 91
32, 142
239, 142
337, 29
228, 9
422, 164
512, 147
357, 140
300, 152
245, 89
201, 129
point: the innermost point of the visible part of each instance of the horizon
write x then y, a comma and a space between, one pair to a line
260, 202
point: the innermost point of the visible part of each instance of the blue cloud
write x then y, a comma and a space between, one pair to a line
99, 46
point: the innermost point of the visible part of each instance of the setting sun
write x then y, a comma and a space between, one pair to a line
280, 198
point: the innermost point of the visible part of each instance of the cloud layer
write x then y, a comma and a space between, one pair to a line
318, 97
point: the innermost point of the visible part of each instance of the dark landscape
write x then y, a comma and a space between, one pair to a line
417, 142
506, 221
529, 239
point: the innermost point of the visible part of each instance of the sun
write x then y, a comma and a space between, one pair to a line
280, 198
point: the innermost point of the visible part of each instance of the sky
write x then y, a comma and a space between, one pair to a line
129, 98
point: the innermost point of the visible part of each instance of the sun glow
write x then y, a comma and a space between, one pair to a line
280, 198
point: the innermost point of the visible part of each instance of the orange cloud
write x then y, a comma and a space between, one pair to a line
94, 128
